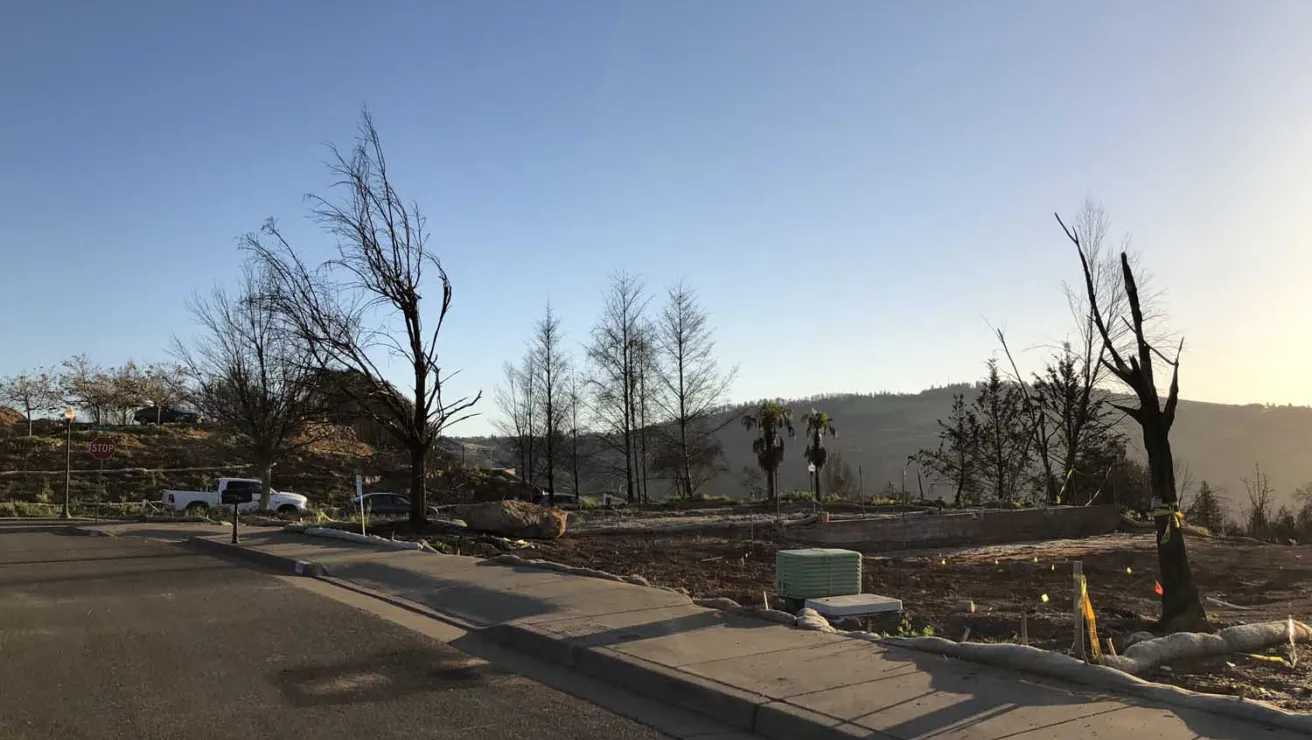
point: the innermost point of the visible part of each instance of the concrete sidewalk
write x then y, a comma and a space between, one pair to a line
774, 680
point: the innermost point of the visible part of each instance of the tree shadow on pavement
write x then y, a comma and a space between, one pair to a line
989, 701
381, 677
475, 604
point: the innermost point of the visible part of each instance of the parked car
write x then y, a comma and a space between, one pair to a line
200, 501
165, 415
563, 500
386, 504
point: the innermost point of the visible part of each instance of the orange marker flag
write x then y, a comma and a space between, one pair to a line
1157, 586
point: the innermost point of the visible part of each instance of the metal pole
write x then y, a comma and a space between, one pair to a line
100, 483
68, 469
234, 523
359, 494
1077, 573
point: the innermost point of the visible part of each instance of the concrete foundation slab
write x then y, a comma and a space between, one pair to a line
854, 605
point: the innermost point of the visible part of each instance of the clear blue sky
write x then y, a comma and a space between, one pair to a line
855, 187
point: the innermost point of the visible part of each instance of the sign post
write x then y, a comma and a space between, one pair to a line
239, 496
101, 448
359, 495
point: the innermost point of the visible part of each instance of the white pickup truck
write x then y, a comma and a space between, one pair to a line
199, 501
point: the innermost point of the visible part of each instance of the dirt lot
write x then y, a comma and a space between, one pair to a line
1254, 582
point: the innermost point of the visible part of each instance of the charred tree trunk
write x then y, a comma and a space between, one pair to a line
1182, 609
418, 476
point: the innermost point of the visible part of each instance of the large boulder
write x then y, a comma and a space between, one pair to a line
518, 519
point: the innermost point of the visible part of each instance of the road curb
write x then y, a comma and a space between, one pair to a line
708, 698
720, 702
400, 603
259, 557
82, 531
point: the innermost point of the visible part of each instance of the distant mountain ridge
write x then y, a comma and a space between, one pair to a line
877, 431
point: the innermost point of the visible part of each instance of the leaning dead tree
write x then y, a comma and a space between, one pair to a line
368, 302
1131, 362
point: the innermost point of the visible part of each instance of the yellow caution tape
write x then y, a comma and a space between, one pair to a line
1090, 621
1065, 483
1175, 521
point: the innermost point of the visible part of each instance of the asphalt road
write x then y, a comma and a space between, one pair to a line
122, 638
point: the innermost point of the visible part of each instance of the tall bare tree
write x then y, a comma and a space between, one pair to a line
1257, 514
1129, 357
31, 393
574, 399
613, 358
643, 385
691, 388
384, 267
251, 375
516, 398
552, 366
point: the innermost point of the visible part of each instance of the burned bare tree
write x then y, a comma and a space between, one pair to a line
691, 389
368, 302
249, 374
1257, 515
552, 368
517, 401
1131, 362
643, 384
574, 399
613, 354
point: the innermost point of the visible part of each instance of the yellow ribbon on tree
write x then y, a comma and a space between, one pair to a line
1176, 521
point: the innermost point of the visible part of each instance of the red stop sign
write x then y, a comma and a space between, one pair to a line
102, 449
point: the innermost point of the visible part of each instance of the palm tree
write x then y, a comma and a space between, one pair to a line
818, 423
772, 419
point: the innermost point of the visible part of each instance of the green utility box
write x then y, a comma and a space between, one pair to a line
816, 572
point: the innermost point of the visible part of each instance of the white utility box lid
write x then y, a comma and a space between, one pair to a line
854, 605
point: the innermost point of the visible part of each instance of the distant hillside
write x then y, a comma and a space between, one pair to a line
1219, 442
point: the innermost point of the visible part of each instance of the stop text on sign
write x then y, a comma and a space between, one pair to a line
102, 449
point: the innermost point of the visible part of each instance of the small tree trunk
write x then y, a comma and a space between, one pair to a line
266, 484
418, 475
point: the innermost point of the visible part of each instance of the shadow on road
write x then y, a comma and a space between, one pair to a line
449, 596
110, 577
92, 559
381, 677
